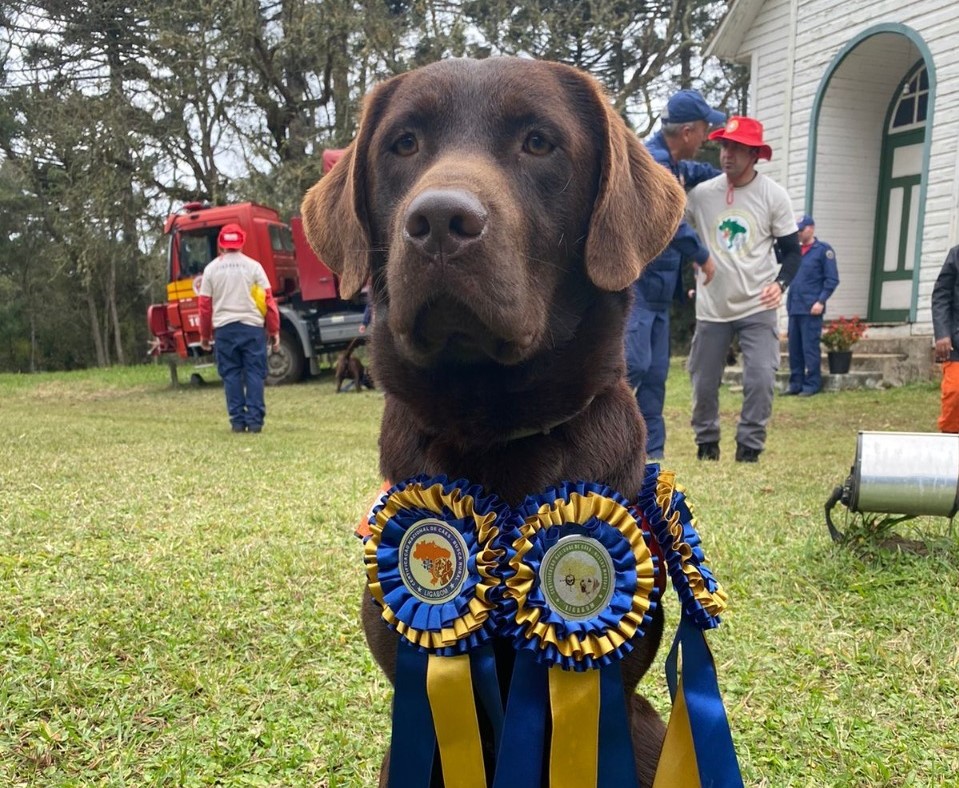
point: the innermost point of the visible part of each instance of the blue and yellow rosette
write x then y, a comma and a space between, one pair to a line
579, 588
698, 749
433, 566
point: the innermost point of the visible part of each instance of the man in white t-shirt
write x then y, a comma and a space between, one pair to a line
236, 303
747, 222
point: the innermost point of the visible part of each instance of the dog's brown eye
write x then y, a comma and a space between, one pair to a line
537, 145
406, 145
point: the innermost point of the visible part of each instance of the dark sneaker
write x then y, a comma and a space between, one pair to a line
255, 428
790, 393
746, 454
708, 451
239, 428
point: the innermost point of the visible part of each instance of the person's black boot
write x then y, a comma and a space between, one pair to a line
708, 451
746, 454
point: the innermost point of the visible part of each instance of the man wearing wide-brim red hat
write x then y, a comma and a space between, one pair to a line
748, 223
747, 132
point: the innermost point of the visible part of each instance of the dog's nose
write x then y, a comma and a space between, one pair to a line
443, 222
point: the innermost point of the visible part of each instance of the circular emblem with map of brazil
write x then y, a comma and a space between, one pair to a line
733, 231
577, 577
433, 561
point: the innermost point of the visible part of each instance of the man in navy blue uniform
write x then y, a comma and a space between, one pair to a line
685, 127
818, 277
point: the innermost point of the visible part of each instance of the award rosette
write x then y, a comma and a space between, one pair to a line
433, 567
698, 749
570, 579
579, 588
670, 518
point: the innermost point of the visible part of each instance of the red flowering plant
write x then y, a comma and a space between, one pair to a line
843, 333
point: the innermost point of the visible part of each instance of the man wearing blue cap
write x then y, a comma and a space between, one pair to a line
685, 126
815, 281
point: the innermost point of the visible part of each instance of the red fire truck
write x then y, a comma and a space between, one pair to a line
314, 319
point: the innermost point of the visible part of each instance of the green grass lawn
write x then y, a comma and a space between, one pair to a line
178, 604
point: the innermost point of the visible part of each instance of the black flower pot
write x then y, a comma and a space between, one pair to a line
839, 361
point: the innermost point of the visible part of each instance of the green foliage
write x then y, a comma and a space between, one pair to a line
629, 47
179, 604
112, 115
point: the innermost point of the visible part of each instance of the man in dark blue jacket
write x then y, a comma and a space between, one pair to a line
816, 280
685, 126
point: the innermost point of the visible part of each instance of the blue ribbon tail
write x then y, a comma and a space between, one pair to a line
486, 690
413, 743
519, 761
712, 739
617, 764
672, 663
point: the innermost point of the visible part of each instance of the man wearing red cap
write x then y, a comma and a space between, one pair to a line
747, 222
235, 302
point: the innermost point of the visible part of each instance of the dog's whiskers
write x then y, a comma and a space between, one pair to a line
547, 263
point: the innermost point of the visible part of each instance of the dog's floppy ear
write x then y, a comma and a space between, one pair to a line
637, 210
334, 210
335, 229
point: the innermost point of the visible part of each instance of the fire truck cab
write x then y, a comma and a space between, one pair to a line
314, 319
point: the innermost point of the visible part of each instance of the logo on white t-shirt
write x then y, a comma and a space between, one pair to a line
733, 232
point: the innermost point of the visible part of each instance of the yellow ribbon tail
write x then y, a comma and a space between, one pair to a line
574, 747
449, 687
677, 763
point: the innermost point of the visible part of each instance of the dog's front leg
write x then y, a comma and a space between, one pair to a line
648, 732
382, 640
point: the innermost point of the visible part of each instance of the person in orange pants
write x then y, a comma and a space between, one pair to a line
945, 325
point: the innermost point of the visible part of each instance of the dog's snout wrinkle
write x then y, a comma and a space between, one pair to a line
443, 222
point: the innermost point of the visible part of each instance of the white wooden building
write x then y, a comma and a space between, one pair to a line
860, 102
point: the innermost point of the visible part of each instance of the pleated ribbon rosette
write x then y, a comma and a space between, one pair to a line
698, 750
580, 587
432, 566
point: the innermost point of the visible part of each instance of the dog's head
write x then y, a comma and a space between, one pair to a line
489, 201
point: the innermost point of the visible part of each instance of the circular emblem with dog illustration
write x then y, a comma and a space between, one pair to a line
577, 577
432, 561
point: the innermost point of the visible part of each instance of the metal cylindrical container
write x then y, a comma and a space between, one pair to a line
906, 473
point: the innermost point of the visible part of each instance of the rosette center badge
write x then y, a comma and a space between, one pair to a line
577, 577
433, 561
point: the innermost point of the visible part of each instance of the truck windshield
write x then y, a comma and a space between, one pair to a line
196, 249
281, 239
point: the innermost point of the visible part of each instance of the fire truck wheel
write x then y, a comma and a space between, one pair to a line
286, 364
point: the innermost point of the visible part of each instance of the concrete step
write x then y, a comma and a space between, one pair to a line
868, 354
854, 379
887, 356
914, 347
899, 359
887, 363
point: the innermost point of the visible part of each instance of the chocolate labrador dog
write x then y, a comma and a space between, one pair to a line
501, 209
